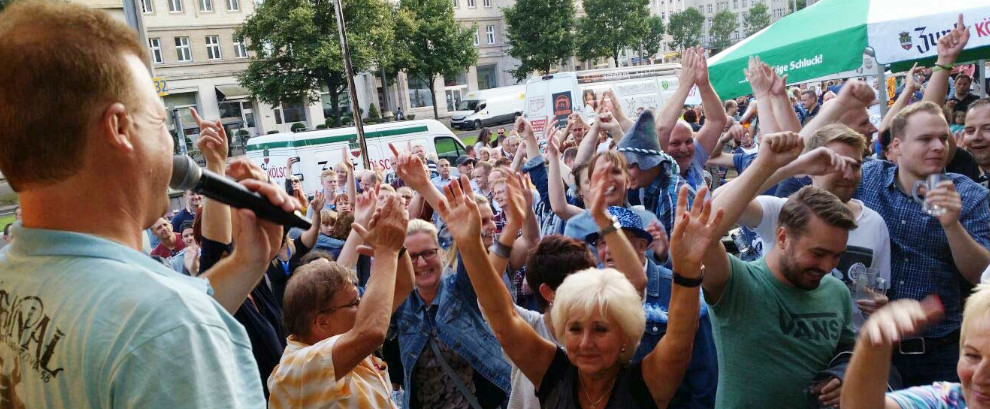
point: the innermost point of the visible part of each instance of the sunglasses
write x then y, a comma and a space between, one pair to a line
351, 304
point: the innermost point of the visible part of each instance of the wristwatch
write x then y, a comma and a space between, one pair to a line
611, 228
689, 282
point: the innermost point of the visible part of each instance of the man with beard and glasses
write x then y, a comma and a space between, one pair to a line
779, 321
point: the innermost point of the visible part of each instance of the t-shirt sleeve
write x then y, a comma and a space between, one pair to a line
767, 228
940, 395
555, 373
202, 364
737, 288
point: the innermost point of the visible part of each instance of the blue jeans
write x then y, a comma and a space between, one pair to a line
938, 363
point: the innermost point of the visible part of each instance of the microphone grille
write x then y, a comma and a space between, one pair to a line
185, 173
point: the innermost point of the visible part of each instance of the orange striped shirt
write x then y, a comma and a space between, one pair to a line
304, 378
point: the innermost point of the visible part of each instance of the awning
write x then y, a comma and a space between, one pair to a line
231, 92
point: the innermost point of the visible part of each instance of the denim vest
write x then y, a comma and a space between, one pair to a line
459, 325
697, 391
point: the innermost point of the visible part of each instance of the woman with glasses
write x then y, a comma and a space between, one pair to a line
328, 361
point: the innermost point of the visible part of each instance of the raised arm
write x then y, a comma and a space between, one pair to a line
866, 377
309, 236
515, 217
410, 169
854, 95
761, 79
949, 47
783, 111
620, 116
385, 235
590, 142
715, 117
364, 210
530, 352
212, 143
555, 185
672, 109
664, 367
525, 130
910, 87
776, 150
622, 250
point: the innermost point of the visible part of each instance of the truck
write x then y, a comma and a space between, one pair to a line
551, 98
322, 149
489, 107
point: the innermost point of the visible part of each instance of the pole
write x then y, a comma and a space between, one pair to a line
882, 84
351, 89
981, 77
179, 132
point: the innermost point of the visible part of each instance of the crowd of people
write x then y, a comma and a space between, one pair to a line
593, 266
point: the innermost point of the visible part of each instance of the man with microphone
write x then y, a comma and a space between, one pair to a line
99, 324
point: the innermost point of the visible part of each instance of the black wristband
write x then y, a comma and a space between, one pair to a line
402, 251
689, 282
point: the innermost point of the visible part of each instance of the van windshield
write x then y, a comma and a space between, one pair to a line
468, 105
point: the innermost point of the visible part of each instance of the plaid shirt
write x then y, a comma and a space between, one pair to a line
661, 196
921, 260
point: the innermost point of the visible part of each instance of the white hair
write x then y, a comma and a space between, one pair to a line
607, 291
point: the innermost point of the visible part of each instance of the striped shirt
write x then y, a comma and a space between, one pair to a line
305, 379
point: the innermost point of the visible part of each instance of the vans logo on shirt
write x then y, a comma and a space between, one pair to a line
29, 332
822, 326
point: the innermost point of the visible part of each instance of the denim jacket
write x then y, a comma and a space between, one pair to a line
697, 391
459, 325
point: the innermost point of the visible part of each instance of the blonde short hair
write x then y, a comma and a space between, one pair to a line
421, 226
977, 308
838, 133
606, 290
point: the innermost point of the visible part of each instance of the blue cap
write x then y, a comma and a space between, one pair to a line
630, 222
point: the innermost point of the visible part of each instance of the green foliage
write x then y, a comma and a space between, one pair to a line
321, 126
685, 28
298, 127
272, 132
801, 4
540, 34
611, 26
756, 19
373, 112
653, 37
437, 44
723, 25
332, 122
296, 48
410, 117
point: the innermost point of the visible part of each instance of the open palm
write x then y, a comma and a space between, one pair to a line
460, 207
694, 231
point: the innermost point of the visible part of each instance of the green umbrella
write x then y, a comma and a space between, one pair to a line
831, 35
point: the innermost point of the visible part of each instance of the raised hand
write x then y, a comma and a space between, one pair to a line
257, 240
319, 200
523, 127
616, 108
410, 169
609, 123
952, 43
515, 211
212, 139
660, 243
779, 84
780, 149
346, 161
460, 206
900, 319
688, 66
553, 150
364, 206
822, 161
386, 231
946, 197
700, 67
599, 188
694, 231
758, 80
857, 92
911, 81
241, 168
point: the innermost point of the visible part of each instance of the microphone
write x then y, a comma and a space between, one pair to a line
187, 175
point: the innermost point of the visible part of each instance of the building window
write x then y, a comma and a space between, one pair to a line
206, 5
240, 50
175, 6
487, 3
290, 113
455, 4
735, 4
472, 3
155, 45
477, 38
213, 47
490, 32
709, 8
233, 5
419, 93
182, 49
147, 7
663, 15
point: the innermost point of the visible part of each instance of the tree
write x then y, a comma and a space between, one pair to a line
756, 19
685, 27
296, 47
653, 37
723, 25
540, 34
611, 26
437, 45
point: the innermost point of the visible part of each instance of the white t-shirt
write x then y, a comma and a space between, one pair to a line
523, 395
870, 240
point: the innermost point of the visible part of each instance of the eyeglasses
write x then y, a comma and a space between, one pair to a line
352, 304
427, 255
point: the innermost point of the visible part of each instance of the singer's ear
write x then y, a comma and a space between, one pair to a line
115, 125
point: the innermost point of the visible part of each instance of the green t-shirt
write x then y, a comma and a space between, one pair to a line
772, 339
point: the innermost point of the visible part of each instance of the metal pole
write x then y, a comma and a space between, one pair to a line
981, 77
352, 90
882, 84
179, 132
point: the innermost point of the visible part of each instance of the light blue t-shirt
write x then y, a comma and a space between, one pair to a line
89, 323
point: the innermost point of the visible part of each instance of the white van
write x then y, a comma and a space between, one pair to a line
550, 99
488, 107
322, 149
